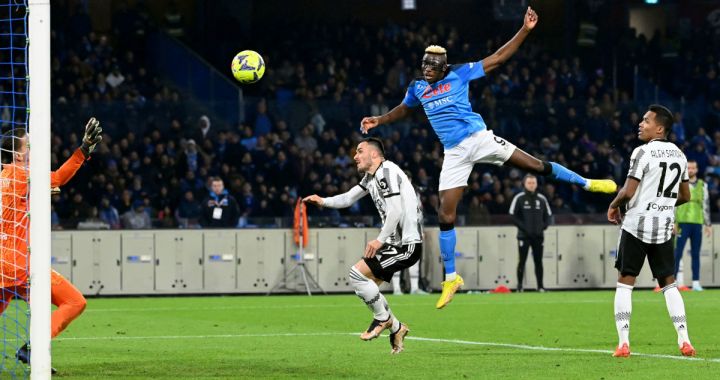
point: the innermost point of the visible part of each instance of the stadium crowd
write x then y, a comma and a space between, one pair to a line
159, 155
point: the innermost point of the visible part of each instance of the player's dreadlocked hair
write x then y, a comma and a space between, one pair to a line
663, 116
435, 49
377, 143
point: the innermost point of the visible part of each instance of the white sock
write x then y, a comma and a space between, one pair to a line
680, 278
414, 277
450, 276
369, 292
623, 311
696, 284
676, 309
395, 325
396, 282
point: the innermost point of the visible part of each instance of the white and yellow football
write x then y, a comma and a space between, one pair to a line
248, 66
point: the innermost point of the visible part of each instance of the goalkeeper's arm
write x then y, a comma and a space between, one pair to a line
92, 136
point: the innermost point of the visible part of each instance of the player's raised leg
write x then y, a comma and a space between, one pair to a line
449, 200
366, 287
553, 170
676, 309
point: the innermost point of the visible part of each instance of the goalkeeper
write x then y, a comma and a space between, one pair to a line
14, 253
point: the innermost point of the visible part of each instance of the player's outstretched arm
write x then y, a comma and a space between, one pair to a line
506, 51
339, 201
395, 114
314, 200
92, 136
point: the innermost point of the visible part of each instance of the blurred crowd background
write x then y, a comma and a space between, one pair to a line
574, 97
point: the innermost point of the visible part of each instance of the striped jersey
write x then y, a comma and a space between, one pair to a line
390, 181
396, 202
660, 166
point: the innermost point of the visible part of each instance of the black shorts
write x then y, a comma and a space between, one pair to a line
632, 252
390, 259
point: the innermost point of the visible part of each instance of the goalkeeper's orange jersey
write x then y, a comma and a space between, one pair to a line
14, 224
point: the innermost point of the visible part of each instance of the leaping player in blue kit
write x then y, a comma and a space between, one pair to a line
443, 94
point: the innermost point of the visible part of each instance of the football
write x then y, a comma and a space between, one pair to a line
248, 66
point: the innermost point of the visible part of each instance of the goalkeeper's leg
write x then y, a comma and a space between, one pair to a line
69, 301
6, 297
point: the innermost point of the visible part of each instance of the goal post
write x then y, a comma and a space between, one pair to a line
38, 60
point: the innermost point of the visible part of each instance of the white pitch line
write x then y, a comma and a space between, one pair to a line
421, 339
543, 348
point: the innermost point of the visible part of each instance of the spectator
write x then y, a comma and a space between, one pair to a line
204, 131
189, 211
306, 141
109, 214
477, 213
219, 209
136, 218
248, 202
678, 128
263, 123
115, 78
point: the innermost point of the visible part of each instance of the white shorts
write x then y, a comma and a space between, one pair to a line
481, 147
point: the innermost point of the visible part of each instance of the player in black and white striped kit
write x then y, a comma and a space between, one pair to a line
399, 244
657, 182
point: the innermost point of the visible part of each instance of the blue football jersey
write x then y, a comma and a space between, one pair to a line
447, 105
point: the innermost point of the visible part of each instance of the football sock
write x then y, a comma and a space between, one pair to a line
395, 325
564, 174
623, 310
414, 276
396, 282
676, 309
369, 292
447, 251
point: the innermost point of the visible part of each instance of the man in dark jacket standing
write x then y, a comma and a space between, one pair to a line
219, 209
531, 214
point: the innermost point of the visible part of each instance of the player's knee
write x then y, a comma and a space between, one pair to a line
356, 277
78, 304
446, 216
665, 281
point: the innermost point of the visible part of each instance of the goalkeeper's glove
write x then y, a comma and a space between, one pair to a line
93, 135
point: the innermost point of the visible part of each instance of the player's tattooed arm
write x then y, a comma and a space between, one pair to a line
506, 51
398, 113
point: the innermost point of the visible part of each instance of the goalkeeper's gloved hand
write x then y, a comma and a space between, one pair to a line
93, 135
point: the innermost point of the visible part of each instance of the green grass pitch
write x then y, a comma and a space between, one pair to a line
556, 335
